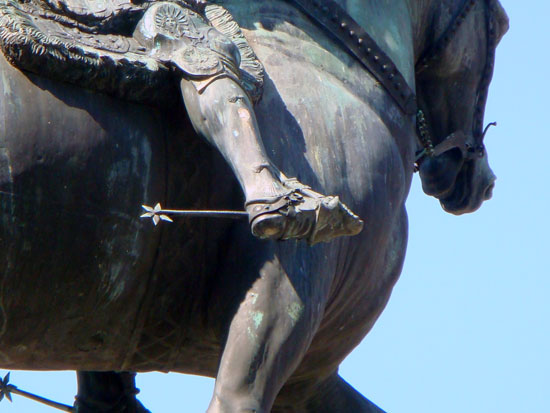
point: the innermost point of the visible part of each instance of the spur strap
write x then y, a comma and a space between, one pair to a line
362, 46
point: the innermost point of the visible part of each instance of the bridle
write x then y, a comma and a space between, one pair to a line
357, 42
471, 146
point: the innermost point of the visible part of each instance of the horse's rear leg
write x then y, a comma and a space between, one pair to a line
331, 395
108, 392
335, 395
268, 337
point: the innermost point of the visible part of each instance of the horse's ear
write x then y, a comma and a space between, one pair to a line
503, 22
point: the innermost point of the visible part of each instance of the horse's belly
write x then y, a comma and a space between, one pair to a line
74, 260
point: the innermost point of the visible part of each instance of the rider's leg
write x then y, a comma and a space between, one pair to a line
224, 115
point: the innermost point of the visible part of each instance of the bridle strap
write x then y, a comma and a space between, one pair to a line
470, 145
441, 44
357, 42
487, 76
456, 140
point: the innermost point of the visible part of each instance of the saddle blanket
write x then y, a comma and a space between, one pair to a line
91, 43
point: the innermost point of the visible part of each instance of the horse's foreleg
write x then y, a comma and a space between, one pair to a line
267, 339
109, 391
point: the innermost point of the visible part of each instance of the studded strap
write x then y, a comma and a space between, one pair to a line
362, 46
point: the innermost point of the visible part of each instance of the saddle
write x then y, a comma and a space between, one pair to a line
91, 43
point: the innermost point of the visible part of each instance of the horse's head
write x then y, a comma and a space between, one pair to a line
453, 77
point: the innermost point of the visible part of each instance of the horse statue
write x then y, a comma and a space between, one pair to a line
353, 94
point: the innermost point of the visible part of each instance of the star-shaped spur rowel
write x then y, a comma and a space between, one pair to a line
155, 213
5, 388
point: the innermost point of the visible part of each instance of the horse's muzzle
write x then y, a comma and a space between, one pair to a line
474, 185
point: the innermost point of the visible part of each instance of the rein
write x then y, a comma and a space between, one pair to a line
357, 42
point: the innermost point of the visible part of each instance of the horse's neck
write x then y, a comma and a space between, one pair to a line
403, 28
388, 22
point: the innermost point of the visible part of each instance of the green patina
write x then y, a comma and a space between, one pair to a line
295, 311
257, 317
388, 23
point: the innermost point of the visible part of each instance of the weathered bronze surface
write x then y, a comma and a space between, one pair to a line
101, 114
357, 40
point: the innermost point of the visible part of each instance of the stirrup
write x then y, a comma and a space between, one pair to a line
301, 213
279, 208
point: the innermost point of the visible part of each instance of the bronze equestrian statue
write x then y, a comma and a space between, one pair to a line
107, 106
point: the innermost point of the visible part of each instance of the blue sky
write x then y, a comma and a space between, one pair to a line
467, 328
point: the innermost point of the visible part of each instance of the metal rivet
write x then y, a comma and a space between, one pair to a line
351, 33
369, 50
360, 41
384, 68
343, 25
376, 58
